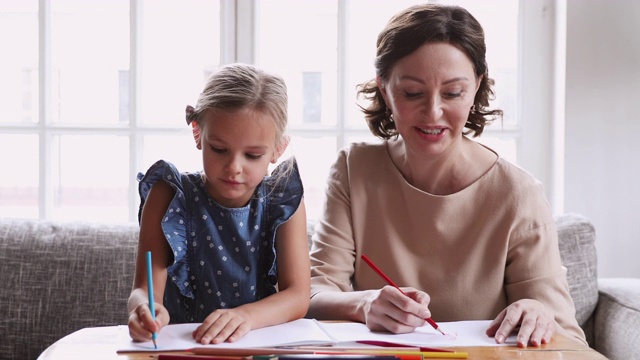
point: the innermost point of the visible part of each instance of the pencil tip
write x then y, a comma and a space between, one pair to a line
155, 345
442, 332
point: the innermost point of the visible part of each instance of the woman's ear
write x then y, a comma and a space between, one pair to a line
479, 82
382, 88
197, 134
280, 148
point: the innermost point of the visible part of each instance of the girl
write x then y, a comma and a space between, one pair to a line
229, 244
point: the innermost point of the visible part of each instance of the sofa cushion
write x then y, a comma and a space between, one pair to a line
576, 239
61, 277
617, 318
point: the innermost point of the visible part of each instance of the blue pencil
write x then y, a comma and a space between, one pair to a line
150, 291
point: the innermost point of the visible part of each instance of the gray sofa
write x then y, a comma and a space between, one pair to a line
61, 277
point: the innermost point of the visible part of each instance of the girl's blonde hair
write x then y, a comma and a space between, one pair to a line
239, 86
244, 86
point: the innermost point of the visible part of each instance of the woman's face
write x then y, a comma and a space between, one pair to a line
430, 93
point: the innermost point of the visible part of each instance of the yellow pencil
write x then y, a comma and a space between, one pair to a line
445, 355
424, 354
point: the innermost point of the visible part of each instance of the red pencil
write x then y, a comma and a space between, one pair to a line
396, 345
390, 282
199, 357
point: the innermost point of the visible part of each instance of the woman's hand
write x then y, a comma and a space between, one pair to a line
388, 309
537, 324
223, 325
141, 324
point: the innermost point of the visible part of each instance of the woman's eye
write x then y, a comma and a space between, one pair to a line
411, 95
452, 95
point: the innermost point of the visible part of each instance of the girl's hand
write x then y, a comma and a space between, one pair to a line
536, 322
388, 309
223, 325
141, 324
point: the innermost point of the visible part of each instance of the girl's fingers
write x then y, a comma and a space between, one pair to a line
137, 330
222, 326
228, 330
210, 321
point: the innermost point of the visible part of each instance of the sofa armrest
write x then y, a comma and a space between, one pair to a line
617, 318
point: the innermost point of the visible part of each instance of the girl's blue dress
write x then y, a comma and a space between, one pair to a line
223, 257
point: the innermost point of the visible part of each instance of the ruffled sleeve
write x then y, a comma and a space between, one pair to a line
285, 191
284, 188
174, 223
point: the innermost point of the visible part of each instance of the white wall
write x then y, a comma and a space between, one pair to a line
602, 174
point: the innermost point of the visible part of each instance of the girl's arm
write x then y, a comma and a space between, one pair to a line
289, 303
151, 238
292, 249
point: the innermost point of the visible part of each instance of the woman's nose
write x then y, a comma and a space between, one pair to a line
432, 108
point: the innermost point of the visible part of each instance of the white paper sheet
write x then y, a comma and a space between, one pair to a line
310, 332
459, 333
178, 337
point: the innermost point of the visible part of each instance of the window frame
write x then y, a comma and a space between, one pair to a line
540, 104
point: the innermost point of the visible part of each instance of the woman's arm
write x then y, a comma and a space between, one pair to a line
333, 258
540, 303
151, 238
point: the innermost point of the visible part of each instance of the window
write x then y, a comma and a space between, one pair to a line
95, 90
102, 89
332, 51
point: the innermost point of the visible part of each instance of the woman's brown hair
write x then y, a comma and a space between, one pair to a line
407, 31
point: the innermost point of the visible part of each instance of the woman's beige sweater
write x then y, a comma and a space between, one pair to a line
474, 252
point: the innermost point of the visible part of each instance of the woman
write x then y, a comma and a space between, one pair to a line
468, 235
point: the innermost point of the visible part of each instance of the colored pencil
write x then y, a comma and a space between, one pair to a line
336, 356
154, 336
202, 357
402, 355
390, 282
373, 352
212, 350
392, 345
275, 354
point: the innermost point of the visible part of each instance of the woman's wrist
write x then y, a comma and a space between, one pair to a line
363, 305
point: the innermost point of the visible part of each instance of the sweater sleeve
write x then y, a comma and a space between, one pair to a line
333, 249
534, 271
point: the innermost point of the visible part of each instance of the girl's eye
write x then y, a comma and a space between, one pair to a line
254, 156
217, 150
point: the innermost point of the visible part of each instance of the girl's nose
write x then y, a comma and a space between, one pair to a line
234, 166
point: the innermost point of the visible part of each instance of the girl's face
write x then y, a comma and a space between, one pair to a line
237, 147
430, 93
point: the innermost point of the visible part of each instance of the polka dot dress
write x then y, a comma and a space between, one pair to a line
223, 257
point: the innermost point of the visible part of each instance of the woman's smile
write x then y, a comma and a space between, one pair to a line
431, 134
